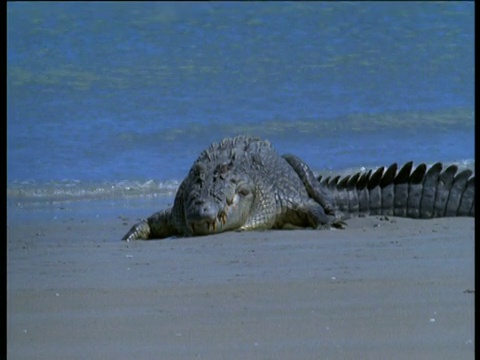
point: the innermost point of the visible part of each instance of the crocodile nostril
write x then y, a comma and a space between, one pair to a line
208, 211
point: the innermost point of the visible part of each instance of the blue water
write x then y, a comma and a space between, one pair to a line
119, 98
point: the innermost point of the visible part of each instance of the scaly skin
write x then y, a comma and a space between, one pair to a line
242, 183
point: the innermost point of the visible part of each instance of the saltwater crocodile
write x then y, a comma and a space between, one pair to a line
242, 183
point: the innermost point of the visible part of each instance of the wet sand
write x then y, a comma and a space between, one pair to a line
381, 289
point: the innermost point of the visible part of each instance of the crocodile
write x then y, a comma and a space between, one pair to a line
242, 183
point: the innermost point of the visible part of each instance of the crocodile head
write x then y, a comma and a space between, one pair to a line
219, 198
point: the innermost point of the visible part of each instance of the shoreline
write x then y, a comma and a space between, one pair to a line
396, 288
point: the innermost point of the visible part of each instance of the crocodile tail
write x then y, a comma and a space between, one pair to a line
421, 192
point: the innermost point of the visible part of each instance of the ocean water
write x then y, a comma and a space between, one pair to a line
115, 100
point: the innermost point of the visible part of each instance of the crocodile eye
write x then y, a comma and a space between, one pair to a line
243, 191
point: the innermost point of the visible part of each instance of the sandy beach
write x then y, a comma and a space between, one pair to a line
381, 289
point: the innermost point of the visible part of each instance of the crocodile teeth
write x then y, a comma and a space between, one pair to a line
222, 217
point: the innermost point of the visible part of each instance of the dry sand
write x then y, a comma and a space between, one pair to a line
381, 289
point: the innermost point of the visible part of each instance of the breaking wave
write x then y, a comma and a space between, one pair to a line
70, 190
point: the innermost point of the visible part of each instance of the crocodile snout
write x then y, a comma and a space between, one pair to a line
203, 210
202, 217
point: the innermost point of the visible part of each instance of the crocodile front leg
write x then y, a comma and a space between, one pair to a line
139, 231
157, 226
